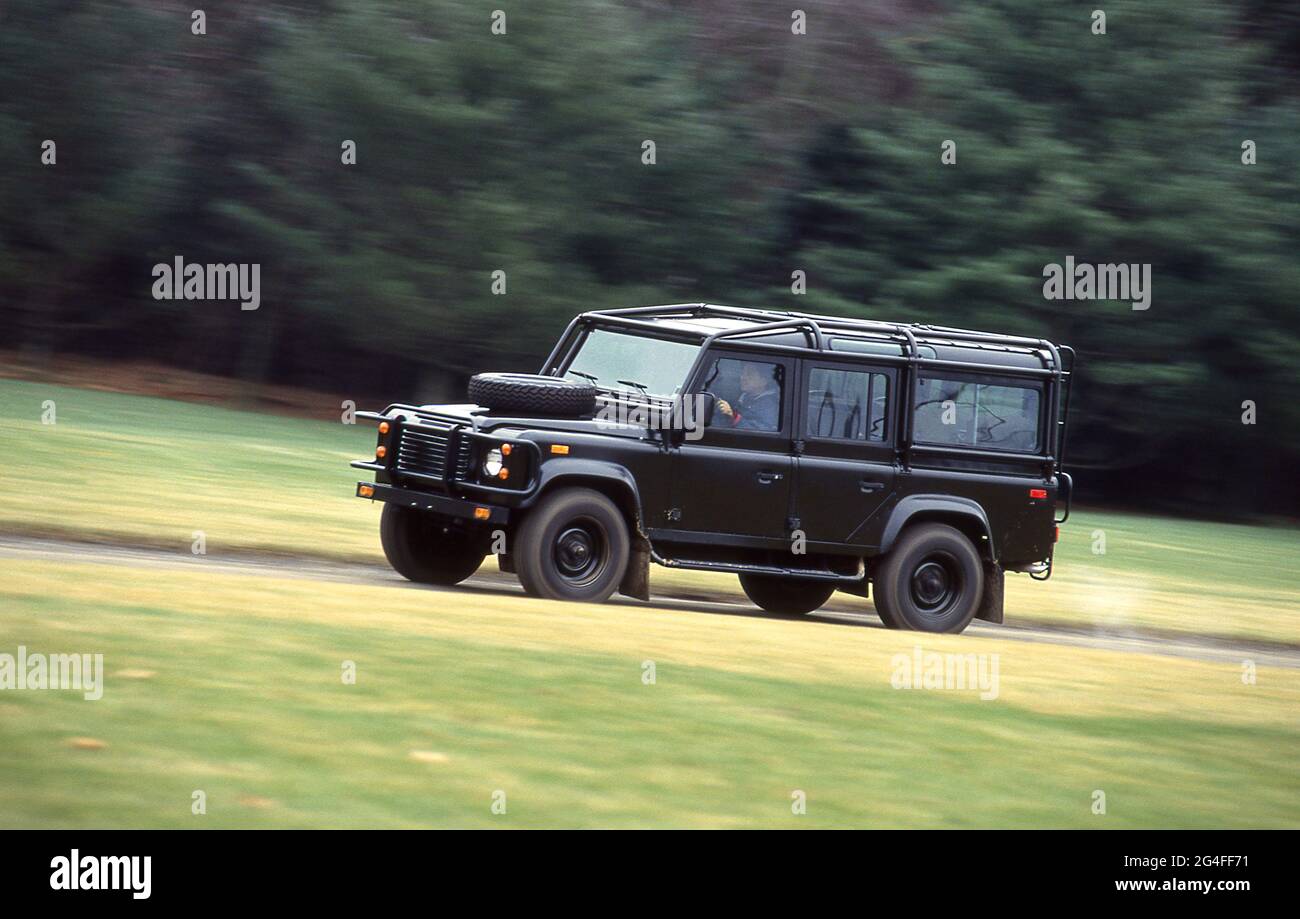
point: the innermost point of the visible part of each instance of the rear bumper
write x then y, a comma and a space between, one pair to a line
439, 504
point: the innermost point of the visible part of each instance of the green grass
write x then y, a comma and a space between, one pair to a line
231, 685
156, 471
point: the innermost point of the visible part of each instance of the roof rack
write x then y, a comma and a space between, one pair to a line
909, 335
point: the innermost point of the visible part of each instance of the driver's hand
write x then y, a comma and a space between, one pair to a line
725, 407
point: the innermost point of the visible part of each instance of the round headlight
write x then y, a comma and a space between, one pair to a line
492, 462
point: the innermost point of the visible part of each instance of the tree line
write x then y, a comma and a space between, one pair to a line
429, 195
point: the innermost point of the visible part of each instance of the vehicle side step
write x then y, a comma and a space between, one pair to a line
812, 574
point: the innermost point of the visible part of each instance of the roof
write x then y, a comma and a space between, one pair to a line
709, 322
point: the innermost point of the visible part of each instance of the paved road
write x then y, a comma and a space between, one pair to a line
17, 548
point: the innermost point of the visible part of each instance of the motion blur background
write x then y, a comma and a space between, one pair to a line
776, 152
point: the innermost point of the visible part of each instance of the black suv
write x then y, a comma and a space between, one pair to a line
803, 453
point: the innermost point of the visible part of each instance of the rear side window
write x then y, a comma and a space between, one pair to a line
971, 413
847, 404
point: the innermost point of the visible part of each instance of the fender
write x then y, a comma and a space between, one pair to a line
555, 470
912, 505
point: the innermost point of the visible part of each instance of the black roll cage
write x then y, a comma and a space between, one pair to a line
910, 336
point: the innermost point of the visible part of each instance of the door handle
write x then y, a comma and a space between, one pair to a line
767, 478
867, 486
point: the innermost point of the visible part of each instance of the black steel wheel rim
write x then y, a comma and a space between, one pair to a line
580, 551
936, 584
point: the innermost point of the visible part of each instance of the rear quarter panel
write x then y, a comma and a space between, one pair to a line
1020, 527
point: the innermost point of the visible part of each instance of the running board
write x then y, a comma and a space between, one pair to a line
811, 574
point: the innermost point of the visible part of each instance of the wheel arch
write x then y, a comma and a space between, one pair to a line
963, 514
610, 479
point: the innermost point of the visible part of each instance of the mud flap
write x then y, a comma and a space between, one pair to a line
990, 608
636, 580
506, 563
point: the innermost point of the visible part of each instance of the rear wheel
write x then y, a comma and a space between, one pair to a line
931, 581
422, 548
573, 545
786, 596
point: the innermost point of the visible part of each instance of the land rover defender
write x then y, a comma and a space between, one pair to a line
910, 464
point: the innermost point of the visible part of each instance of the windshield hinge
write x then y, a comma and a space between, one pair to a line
798, 447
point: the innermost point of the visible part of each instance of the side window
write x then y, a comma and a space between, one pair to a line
967, 413
749, 394
847, 404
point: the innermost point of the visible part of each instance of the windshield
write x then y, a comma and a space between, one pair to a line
613, 360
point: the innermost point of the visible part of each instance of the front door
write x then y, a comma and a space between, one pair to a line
846, 469
737, 478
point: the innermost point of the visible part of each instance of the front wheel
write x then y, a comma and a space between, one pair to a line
573, 545
931, 581
786, 596
420, 547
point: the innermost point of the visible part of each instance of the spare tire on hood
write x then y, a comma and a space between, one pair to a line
532, 394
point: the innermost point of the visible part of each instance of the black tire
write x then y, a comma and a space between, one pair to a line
532, 394
573, 545
786, 596
888, 618
931, 581
422, 548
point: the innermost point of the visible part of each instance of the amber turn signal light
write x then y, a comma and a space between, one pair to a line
561, 449
366, 491
482, 513
503, 474
505, 451
383, 427
381, 451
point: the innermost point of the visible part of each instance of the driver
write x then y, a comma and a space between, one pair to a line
759, 406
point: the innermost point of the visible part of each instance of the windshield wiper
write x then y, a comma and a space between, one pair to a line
641, 386
590, 378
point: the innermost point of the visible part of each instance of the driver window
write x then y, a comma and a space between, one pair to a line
748, 392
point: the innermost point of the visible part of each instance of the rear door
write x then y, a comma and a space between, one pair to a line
735, 480
846, 470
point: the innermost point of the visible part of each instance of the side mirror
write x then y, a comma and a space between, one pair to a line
691, 414
705, 404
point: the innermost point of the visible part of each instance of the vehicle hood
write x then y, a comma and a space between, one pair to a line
483, 419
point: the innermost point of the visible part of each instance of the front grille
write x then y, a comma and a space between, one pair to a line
423, 450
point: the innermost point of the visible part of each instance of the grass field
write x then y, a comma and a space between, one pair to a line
231, 684
154, 471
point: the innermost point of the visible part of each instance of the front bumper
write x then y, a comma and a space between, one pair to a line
439, 504
428, 451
